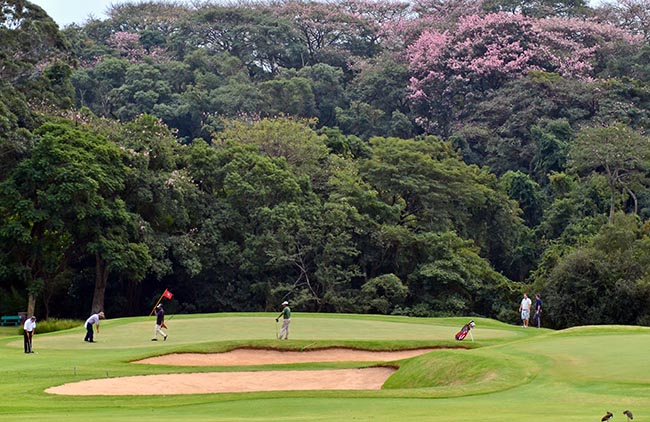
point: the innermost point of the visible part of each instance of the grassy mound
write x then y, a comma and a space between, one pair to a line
449, 373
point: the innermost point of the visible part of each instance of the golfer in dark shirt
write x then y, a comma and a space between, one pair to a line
160, 322
538, 310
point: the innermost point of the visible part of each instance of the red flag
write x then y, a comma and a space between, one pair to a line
168, 294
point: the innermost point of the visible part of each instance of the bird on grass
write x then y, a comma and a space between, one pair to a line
607, 417
629, 415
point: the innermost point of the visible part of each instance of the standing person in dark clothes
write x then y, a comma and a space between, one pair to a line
286, 320
538, 310
92, 320
28, 330
160, 322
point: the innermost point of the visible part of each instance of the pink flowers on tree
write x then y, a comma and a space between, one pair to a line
483, 52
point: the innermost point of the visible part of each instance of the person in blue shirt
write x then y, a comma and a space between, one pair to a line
538, 310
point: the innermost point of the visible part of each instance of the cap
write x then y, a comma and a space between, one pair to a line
101, 314
285, 303
159, 305
32, 317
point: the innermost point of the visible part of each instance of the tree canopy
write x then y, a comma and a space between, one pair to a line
415, 158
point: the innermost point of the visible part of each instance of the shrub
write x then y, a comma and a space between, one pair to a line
54, 324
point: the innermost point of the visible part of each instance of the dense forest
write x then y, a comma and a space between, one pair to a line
425, 158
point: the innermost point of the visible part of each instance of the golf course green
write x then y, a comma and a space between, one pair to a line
508, 373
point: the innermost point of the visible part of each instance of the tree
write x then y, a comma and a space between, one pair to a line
262, 41
526, 192
362, 120
291, 140
63, 205
312, 248
452, 69
578, 287
633, 15
292, 97
30, 40
435, 192
540, 8
383, 293
602, 281
619, 153
382, 83
163, 19
327, 32
245, 196
328, 90
143, 88
163, 198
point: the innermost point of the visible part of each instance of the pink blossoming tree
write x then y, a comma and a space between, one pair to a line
450, 68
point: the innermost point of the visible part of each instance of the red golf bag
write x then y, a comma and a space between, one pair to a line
465, 330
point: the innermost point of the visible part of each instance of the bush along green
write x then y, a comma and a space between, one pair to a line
54, 324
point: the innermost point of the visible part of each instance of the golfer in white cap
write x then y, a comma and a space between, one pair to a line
286, 320
160, 322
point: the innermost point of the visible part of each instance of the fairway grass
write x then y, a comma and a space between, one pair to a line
506, 374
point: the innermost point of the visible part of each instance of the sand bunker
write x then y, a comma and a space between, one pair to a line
229, 382
246, 357
238, 382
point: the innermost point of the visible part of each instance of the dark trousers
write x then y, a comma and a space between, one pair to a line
28, 341
89, 332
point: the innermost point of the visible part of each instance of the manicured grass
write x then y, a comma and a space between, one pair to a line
10, 331
507, 374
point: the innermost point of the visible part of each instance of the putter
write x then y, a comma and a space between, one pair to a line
276, 329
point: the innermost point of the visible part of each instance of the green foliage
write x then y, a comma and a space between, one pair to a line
601, 282
30, 38
617, 152
12, 301
288, 96
526, 192
381, 294
578, 288
56, 324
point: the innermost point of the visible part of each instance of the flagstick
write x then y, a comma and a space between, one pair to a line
154, 306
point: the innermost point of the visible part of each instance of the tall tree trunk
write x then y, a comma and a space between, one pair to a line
634, 198
132, 295
31, 304
101, 278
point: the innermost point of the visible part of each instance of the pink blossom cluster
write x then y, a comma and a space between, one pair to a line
427, 15
483, 52
124, 40
128, 45
178, 178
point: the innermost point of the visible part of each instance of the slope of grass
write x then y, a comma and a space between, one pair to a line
453, 373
